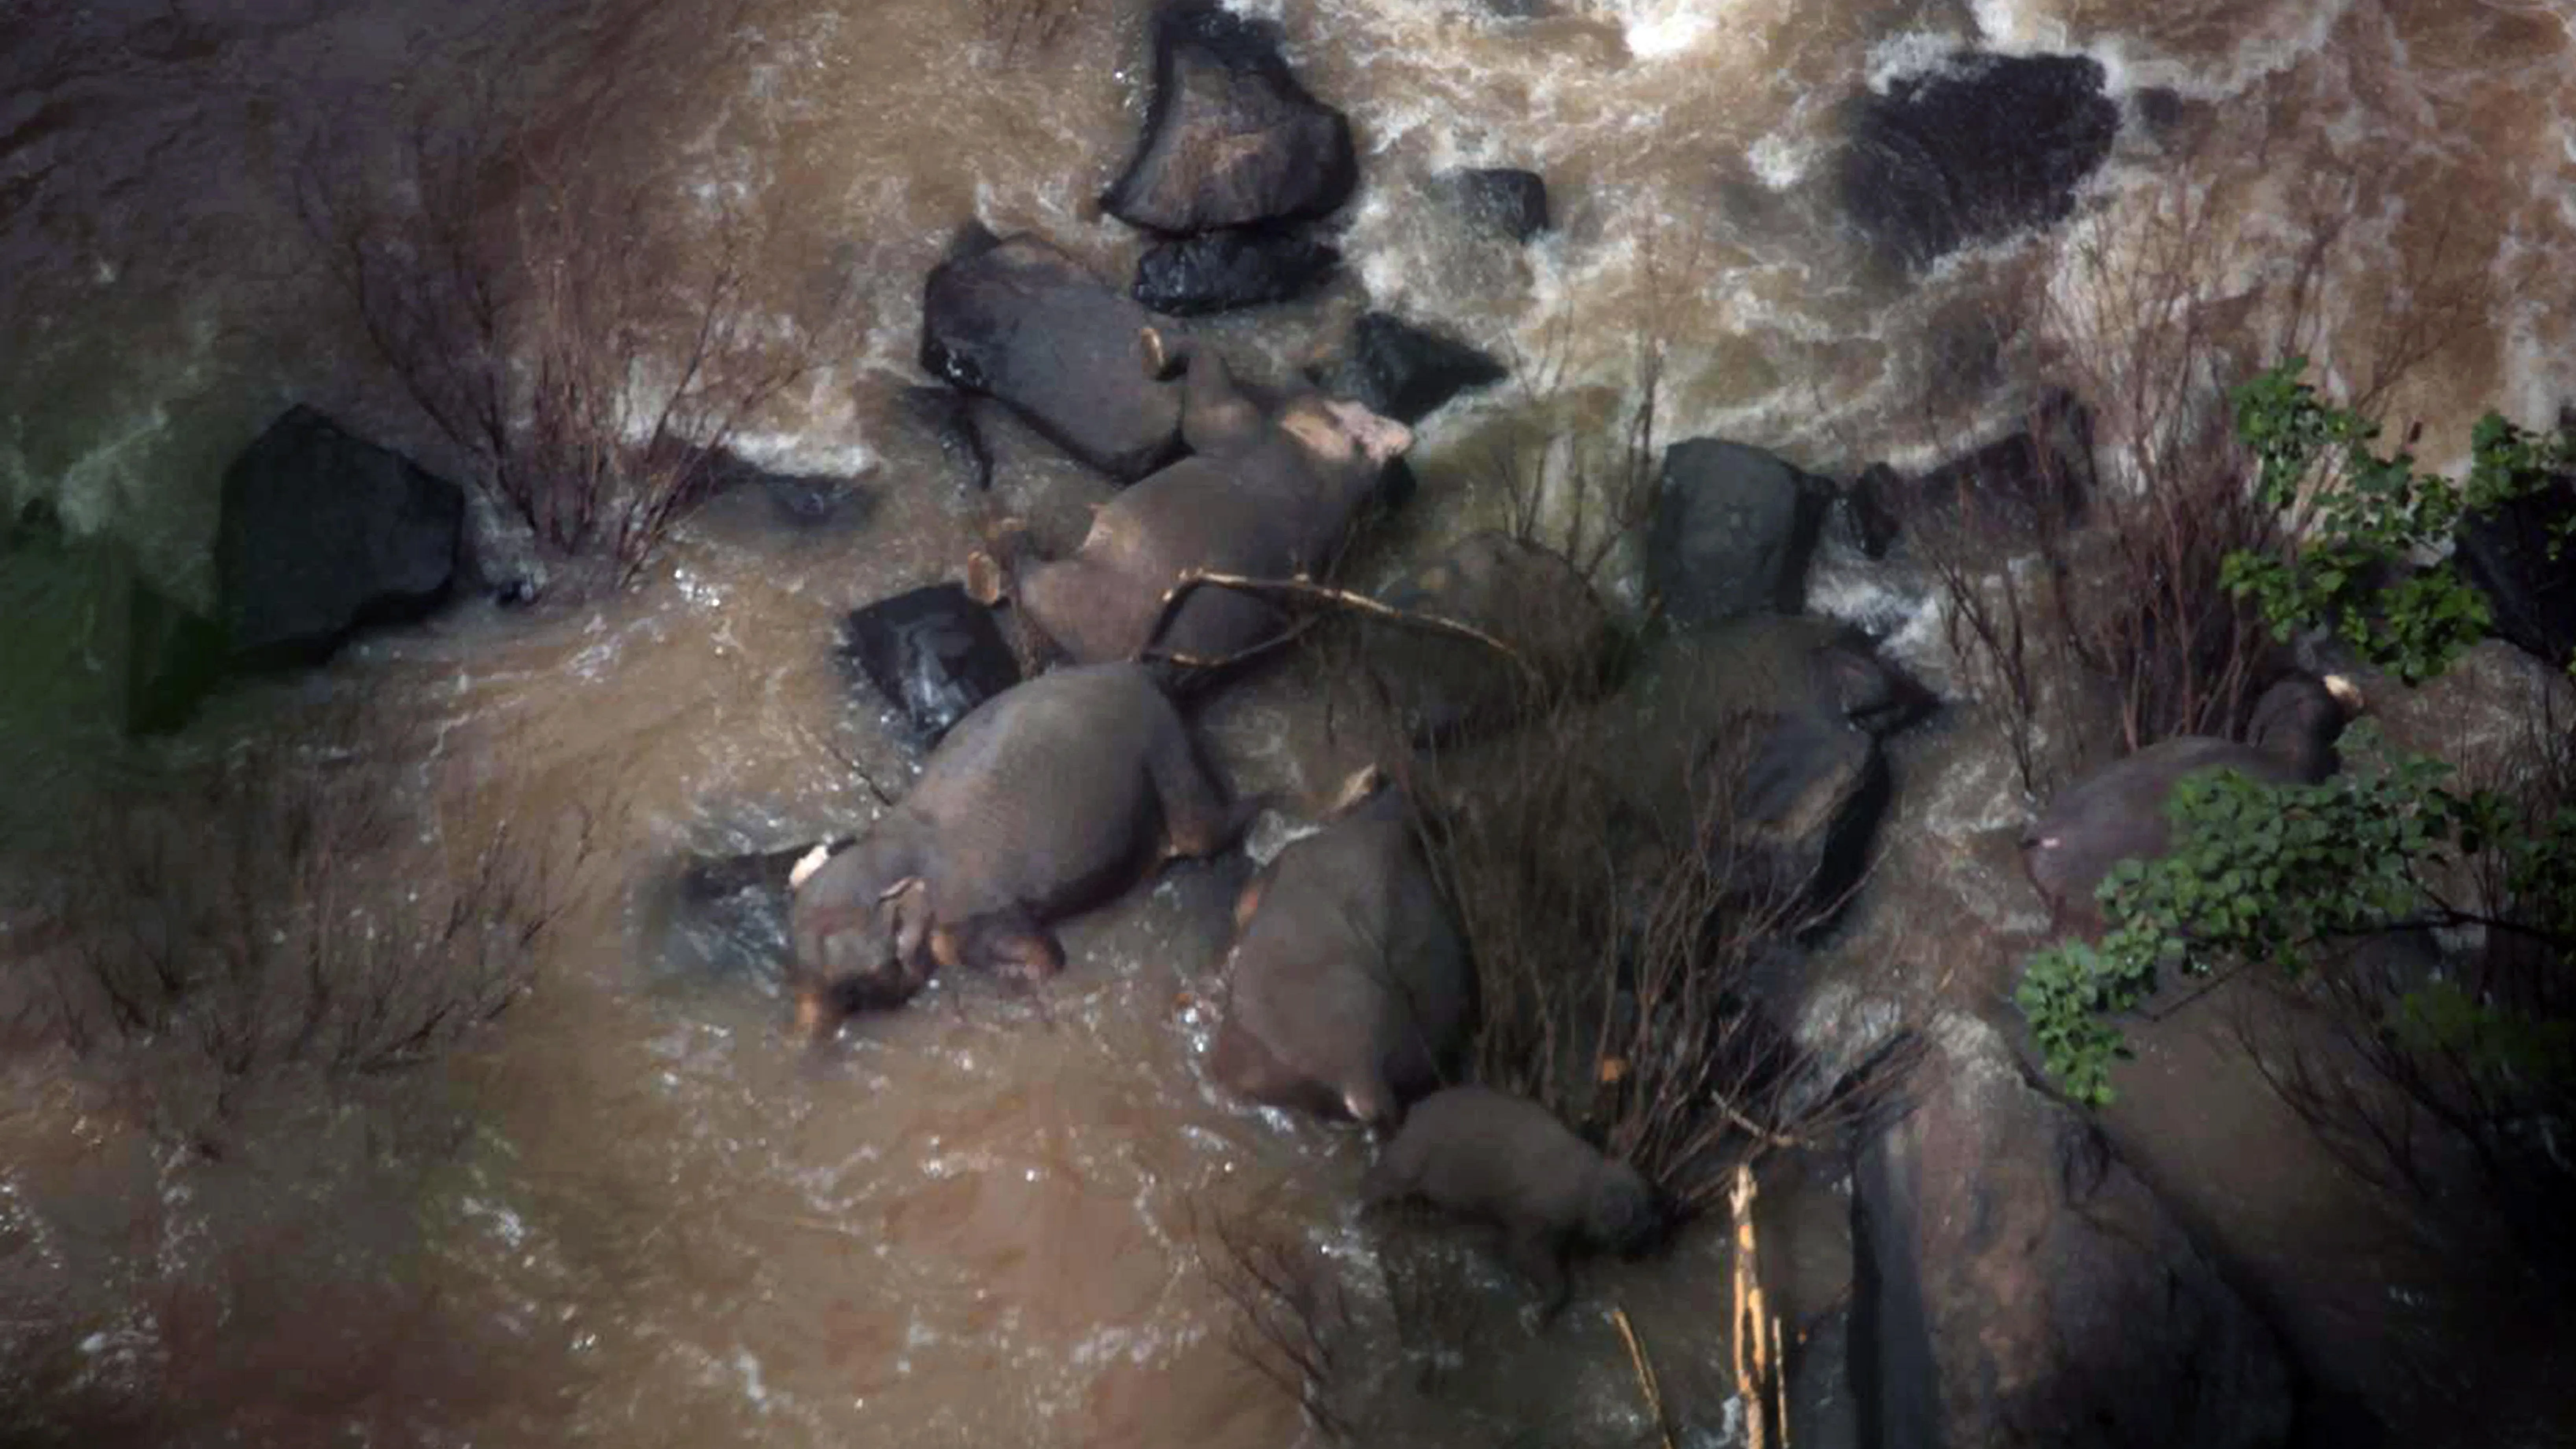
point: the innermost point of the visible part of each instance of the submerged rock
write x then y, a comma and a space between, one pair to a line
1231, 138
1984, 146
2522, 556
1405, 372
933, 654
1021, 321
2031, 481
1503, 201
1223, 270
949, 415
1734, 527
322, 532
2019, 1285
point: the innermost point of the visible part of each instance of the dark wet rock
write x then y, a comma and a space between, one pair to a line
949, 415
1444, 688
1733, 529
1503, 201
1981, 147
1230, 137
2522, 556
2032, 480
2019, 1285
932, 654
1793, 709
797, 500
174, 658
323, 532
726, 914
1222, 270
1403, 371
1864, 513
1021, 321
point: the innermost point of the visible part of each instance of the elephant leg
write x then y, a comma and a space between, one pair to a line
1197, 820
1011, 942
1215, 415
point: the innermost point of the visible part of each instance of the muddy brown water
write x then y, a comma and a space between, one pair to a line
625, 1216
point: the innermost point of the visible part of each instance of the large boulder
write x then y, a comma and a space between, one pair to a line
1983, 146
1222, 270
2522, 556
1402, 371
1733, 530
1443, 687
931, 655
322, 532
1502, 201
1020, 321
1230, 138
1788, 713
2018, 1285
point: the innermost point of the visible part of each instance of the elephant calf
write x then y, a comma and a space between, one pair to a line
1044, 800
1508, 1161
1265, 493
1350, 986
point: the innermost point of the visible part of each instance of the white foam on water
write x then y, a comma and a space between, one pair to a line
1664, 29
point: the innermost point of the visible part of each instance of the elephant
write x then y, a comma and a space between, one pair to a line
2118, 812
1350, 988
1045, 800
1505, 1160
1266, 493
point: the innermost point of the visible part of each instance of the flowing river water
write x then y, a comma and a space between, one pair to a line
626, 1215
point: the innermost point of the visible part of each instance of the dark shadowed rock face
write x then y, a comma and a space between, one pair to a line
1444, 688
1502, 201
1231, 138
2507, 553
2019, 1286
1405, 372
322, 532
1983, 147
1222, 270
2034, 479
1021, 321
1733, 529
933, 654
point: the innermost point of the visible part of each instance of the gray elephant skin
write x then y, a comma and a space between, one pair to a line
1507, 1161
1350, 991
2118, 812
1266, 493
1047, 799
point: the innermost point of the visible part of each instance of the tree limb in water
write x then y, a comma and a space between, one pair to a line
1309, 590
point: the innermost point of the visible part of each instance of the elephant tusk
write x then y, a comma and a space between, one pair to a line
2345, 692
806, 864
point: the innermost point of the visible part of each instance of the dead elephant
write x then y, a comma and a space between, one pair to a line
1045, 800
1266, 493
1508, 1161
1350, 989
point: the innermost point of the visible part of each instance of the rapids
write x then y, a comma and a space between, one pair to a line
625, 1215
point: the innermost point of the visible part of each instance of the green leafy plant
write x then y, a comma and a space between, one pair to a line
2355, 516
2263, 875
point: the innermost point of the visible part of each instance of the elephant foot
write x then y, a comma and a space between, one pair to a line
984, 579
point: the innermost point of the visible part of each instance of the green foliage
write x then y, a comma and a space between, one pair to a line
2362, 515
2259, 874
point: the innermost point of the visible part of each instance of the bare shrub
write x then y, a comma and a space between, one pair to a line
284, 912
2452, 1087
2154, 310
590, 339
1294, 1324
1618, 941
